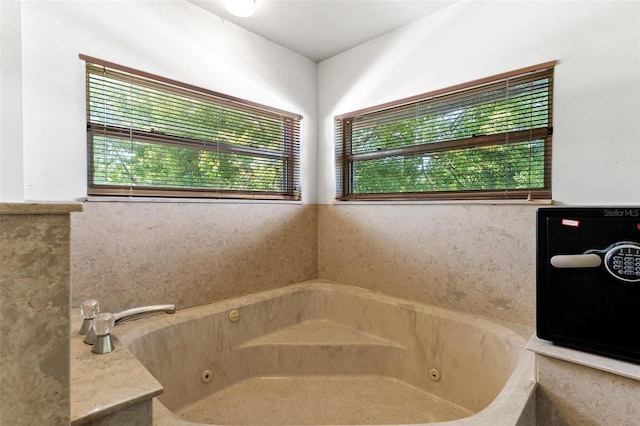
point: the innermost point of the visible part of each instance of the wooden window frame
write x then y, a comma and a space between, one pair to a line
347, 159
287, 150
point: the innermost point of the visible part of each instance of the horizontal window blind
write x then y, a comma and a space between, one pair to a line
151, 136
485, 139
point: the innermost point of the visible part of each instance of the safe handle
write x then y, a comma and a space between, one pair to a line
563, 261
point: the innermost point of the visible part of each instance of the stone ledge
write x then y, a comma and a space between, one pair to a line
610, 365
39, 208
320, 333
103, 385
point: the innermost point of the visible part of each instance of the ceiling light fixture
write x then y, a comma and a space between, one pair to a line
241, 8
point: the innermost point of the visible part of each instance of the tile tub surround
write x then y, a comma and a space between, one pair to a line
468, 257
34, 313
484, 365
572, 394
472, 258
581, 388
137, 253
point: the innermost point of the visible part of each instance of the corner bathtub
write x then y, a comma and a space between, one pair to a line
320, 353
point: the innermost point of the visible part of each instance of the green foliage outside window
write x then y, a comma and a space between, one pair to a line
493, 139
145, 135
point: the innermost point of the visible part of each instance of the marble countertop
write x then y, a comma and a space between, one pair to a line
103, 384
610, 365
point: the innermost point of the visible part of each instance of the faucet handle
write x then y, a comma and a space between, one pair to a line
103, 324
89, 310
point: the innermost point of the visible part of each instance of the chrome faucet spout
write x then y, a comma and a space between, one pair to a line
133, 313
129, 314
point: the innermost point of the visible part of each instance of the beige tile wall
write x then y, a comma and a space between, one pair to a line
572, 394
473, 258
129, 254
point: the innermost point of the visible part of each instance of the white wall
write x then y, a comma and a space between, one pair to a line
596, 152
11, 158
175, 39
596, 141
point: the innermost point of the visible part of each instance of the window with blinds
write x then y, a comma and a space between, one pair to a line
487, 139
151, 136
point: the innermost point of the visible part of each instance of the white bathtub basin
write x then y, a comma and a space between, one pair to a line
322, 353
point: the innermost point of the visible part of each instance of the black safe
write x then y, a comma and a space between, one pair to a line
588, 279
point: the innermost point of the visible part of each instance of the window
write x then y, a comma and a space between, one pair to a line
488, 139
151, 136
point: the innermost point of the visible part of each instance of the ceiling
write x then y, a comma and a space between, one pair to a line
320, 29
